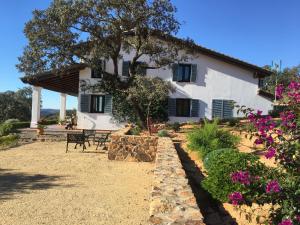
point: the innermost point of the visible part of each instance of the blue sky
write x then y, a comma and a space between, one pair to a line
256, 31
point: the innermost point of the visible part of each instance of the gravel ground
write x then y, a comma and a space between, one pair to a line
41, 184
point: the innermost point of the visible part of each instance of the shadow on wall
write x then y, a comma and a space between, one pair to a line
212, 210
203, 106
15, 183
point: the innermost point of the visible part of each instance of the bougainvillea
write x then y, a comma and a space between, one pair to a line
280, 141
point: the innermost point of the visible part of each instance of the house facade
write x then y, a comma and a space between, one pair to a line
206, 85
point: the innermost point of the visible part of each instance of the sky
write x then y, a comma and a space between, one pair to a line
256, 31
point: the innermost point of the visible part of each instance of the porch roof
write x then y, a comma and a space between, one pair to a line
66, 81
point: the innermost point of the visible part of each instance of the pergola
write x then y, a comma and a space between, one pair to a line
66, 82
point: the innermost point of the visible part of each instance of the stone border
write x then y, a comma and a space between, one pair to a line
133, 148
172, 199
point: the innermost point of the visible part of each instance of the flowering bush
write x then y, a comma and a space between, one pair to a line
280, 143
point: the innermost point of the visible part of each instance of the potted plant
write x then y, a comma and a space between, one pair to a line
41, 128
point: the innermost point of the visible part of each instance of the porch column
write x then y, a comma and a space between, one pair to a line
36, 106
62, 112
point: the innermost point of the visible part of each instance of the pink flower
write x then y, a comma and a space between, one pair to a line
242, 177
286, 222
279, 91
258, 141
297, 218
273, 187
270, 153
235, 198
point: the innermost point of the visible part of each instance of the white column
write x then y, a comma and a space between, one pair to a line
62, 112
36, 106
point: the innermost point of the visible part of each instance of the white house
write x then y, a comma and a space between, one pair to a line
206, 84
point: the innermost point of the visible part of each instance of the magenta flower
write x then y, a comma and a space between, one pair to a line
286, 222
235, 198
270, 153
279, 91
242, 177
258, 141
273, 187
298, 218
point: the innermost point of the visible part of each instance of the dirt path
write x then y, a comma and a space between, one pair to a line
40, 184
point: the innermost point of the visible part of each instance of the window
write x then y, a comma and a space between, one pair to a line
97, 104
222, 109
183, 107
97, 73
261, 83
184, 72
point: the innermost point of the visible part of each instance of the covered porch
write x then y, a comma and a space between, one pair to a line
65, 82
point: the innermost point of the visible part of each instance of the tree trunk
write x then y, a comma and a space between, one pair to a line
140, 115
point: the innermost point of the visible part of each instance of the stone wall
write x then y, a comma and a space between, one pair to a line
172, 199
132, 147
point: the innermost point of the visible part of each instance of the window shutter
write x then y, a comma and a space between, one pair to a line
195, 108
217, 108
85, 103
227, 109
194, 73
108, 104
125, 68
175, 68
172, 106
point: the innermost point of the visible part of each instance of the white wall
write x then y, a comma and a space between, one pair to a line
215, 80
97, 121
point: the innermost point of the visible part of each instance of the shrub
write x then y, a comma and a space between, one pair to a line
12, 121
8, 141
20, 125
211, 156
6, 129
209, 138
135, 131
175, 126
163, 133
221, 164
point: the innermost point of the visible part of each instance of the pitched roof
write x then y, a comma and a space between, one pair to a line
258, 71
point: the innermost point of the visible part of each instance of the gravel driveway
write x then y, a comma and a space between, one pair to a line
41, 184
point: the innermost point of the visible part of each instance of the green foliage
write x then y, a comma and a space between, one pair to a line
220, 164
20, 125
135, 131
6, 129
163, 133
146, 98
209, 138
175, 126
8, 141
16, 105
48, 122
110, 28
284, 77
213, 155
12, 121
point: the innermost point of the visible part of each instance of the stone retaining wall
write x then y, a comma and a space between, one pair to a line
172, 199
132, 147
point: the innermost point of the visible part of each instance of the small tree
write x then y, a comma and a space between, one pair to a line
149, 93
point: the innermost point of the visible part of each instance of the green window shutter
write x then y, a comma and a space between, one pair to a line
172, 106
175, 69
217, 108
195, 108
125, 68
227, 109
85, 103
194, 73
108, 104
